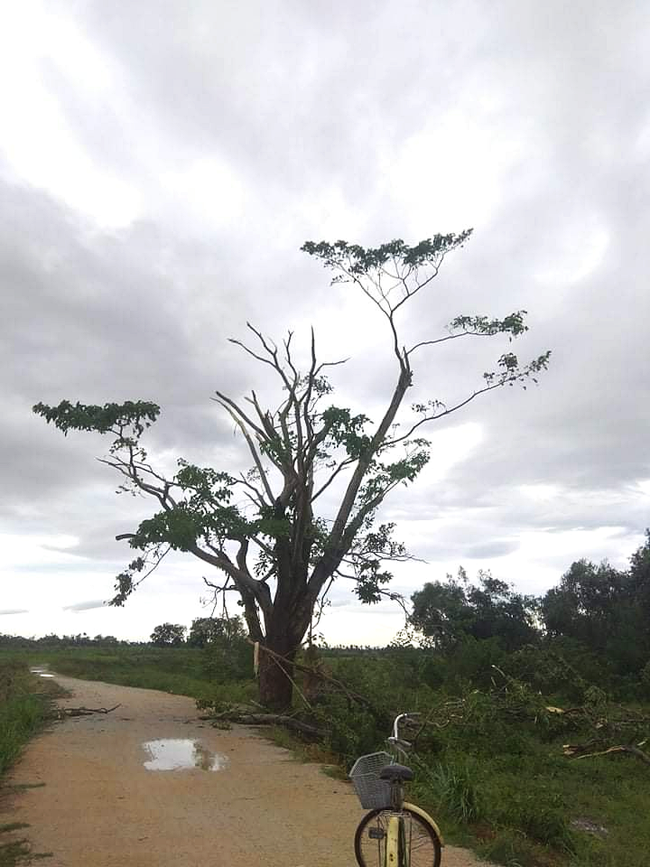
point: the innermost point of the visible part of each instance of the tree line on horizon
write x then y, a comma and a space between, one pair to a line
597, 618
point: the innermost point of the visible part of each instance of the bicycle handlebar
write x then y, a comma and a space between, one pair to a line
395, 738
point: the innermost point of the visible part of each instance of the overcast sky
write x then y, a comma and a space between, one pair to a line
161, 164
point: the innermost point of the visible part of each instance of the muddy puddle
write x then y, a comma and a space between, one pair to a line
178, 754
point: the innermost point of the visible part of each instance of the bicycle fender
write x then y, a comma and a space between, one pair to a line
427, 818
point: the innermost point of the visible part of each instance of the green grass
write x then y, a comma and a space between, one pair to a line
180, 671
14, 852
24, 703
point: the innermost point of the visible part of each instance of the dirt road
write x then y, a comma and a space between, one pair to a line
242, 802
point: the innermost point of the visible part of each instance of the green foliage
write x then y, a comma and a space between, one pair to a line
605, 611
491, 758
645, 679
122, 419
215, 630
471, 661
351, 731
15, 852
451, 612
513, 324
181, 670
21, 712
356, 260
454, 785
228, 656
168, 635
344, 429
513, 849
546, 670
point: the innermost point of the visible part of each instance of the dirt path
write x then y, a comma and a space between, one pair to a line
102, 806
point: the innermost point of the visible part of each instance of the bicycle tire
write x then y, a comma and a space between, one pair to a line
425, 849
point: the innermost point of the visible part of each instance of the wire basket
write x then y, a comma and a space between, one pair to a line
373, 793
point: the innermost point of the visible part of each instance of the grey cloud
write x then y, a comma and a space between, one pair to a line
496, 548
311, 116
86, 606
15, 611
340, 603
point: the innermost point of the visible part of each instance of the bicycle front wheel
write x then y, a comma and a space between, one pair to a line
421, 840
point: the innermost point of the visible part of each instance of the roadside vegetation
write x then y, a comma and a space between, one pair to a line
25, 701
490, 760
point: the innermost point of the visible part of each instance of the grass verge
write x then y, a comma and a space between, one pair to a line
25, 700
178, 671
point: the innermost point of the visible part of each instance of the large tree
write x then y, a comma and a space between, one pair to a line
278, 552
449, 612
607, 610
168, 635
215, 630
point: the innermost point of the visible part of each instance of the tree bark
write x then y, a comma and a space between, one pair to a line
276, 687
285, 631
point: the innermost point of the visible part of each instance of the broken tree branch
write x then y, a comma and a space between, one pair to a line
64, 712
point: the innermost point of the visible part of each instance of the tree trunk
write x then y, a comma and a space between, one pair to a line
285, 631
276, 687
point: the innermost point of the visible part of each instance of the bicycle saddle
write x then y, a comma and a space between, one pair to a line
396, 773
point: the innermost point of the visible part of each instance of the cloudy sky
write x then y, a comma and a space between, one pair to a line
162, 162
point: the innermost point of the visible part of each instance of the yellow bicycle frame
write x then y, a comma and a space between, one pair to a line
392, 843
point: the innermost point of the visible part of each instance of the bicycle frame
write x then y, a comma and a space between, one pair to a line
397, 798
392, 843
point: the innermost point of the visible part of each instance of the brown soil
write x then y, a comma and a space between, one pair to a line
100, 807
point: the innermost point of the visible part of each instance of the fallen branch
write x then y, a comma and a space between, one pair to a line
575, 751
259, 719
351, 695
63, 712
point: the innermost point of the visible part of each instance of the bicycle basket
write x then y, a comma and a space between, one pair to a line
372, 792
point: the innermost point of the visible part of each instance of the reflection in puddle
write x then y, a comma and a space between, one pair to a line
41, 672
176, 754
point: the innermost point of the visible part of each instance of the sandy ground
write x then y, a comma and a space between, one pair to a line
101, 806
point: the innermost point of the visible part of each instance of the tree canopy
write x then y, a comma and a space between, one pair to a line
215, 630
606, 610
448, 612
168, 635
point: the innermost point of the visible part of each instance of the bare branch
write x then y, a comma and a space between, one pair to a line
448, 337
446, 411
347, 462
251, 447
229, 404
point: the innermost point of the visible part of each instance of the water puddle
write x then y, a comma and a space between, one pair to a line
178, 754
41, 672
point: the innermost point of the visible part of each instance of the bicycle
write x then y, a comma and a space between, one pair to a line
394, 833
